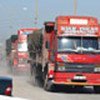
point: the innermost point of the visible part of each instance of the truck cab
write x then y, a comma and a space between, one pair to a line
74, 52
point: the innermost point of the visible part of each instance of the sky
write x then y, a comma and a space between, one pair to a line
16, 14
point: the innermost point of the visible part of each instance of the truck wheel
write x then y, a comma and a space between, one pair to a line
33, 78
49, 86
97, 89
37, 75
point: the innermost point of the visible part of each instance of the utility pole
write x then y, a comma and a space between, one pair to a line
36, 13
75, 7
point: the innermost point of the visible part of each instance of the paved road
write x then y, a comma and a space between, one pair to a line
23, 87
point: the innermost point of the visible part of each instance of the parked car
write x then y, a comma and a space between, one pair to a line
6, 86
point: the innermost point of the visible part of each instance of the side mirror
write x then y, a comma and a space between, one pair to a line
49, 29
47, 45
49, 26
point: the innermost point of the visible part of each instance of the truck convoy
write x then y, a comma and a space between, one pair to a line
16, 50
66, 52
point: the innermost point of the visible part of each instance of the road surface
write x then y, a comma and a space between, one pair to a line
24, 88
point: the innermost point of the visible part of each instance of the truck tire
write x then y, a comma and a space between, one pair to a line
37, 75
97, 89
33, 74
48, 85
33, 79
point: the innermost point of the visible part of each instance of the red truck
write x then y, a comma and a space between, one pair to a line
67, 52
22, 50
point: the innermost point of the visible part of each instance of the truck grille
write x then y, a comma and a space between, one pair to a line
78, 68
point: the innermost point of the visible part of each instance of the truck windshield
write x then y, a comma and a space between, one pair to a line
77, 44
22, 47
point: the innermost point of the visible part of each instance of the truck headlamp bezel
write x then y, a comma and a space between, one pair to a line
97, 69
60, 67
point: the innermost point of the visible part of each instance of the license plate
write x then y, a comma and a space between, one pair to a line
79, 78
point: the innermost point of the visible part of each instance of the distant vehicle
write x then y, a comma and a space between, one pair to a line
67, 52
22, 49
6, 86
17, 51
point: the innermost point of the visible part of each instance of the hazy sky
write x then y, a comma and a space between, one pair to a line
15, 14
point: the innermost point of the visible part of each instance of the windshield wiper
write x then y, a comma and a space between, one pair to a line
79, 50
68, 50
88, 50
94, 51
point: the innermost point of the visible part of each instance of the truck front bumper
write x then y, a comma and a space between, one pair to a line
75, 83
86, 79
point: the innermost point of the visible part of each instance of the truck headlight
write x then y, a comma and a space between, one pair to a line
61, 68
97, 69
